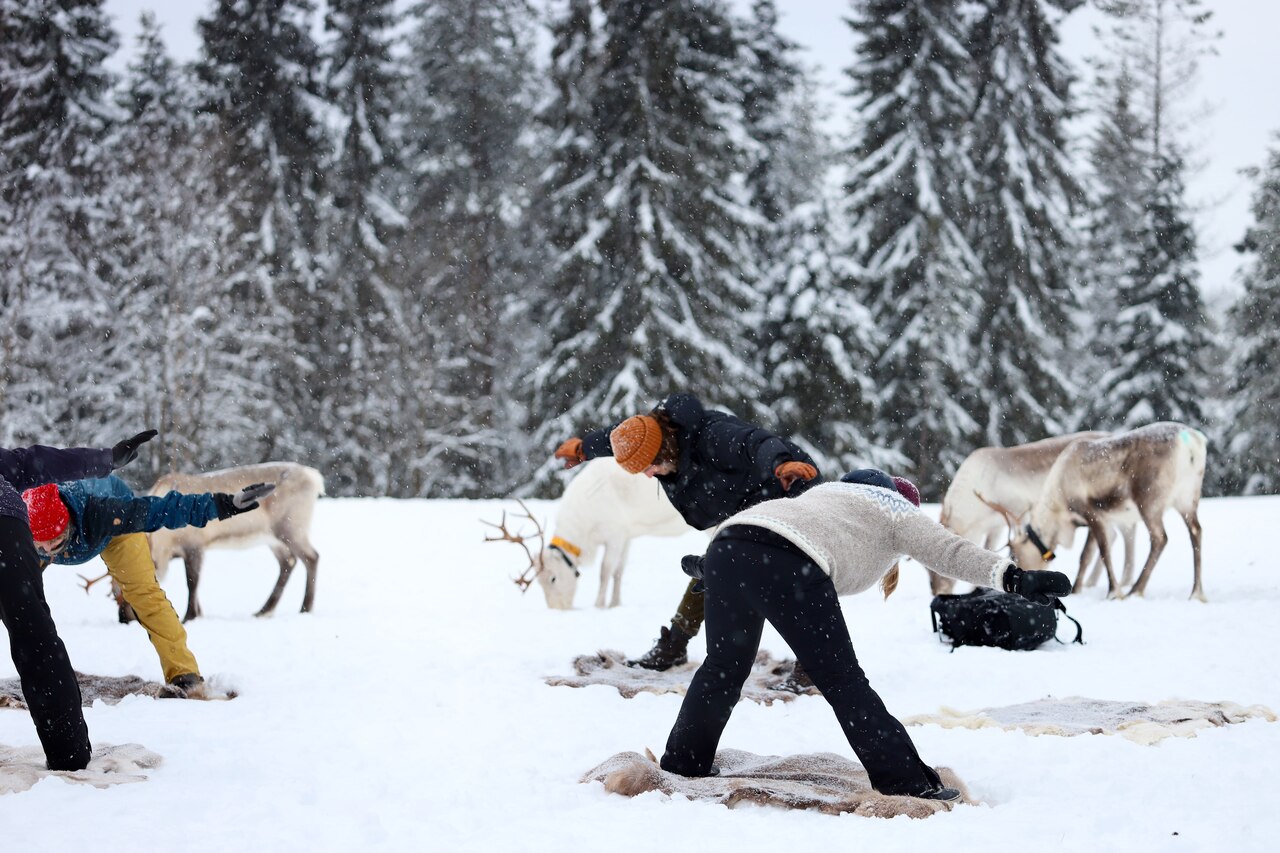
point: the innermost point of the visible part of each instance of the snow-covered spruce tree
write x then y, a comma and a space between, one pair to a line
770, 77
170, 331
907, 197
1020, 221
260, 66
654, 293
1112, 223
468, 109
1159, 330
359, 316
1251, 451
54, 116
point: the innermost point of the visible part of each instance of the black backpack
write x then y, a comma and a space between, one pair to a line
985, 617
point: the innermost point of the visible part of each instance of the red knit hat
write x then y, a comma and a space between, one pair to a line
907, 489
46, 513
636, 442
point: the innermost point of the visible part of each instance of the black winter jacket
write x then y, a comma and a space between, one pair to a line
726, 464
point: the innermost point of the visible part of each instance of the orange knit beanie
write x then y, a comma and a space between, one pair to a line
636, 442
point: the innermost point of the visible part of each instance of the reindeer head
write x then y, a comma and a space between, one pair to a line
1026, 546
551, 567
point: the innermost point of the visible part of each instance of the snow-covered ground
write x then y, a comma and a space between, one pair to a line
409, 712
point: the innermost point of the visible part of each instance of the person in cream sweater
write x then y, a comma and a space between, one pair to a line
787, 562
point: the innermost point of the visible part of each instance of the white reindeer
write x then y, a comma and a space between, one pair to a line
282, 522
602, 507
1094, 482
993, 481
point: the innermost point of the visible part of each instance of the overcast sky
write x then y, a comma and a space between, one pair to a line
1238, 82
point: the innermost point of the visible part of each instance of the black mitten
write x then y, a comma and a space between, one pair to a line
691, 564
126, 451
1041, 587
243, 500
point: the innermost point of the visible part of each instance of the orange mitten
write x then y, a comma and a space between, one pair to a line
789, 472
571, 452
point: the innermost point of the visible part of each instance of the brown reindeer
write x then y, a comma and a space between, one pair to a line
1095, 483
282, 522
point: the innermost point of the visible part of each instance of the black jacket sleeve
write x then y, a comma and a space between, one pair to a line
596, 442
28, 467
733, 445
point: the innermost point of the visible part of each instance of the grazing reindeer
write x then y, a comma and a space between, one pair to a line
1096, 481
1010, 477
602, 507
283, 522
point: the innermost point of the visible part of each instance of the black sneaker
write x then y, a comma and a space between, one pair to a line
941, 793
671, 649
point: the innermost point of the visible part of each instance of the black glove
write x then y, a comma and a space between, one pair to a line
126, 451
242, 501
1041, 587
692, 565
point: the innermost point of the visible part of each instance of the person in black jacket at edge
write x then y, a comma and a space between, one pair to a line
711, 465
48, 681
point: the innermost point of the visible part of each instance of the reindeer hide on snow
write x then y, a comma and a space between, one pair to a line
1137, 721
22, 767
111, 689
609, 667
821, 782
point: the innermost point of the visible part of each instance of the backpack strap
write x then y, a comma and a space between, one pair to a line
1059, 606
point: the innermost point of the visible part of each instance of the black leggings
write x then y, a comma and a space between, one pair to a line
48, 681
752, 575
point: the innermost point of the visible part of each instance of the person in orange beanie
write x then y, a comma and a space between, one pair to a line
711, 465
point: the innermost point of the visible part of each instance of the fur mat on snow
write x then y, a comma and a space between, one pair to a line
821, 782
1075, 715
610, 668
111, 689
21, 767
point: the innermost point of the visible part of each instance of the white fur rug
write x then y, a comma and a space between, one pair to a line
23, 766
609, 667
1138, 721
820, 782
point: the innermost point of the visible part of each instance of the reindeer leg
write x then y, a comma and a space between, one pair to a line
1130, 551
1155, 526
1097, 565
286, 559
620, 564
124, 610
1098, 530
192, 560
311, 559
1086, 557
1193, 527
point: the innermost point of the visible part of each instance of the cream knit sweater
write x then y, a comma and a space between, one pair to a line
855, 533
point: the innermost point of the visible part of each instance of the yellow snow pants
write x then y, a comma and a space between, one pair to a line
128, 560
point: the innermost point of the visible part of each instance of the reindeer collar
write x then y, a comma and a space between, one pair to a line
570, 551
1046, 554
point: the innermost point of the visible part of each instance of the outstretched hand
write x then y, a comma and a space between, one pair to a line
126, 451
790, 472
242, 501
571, 452
1042, 587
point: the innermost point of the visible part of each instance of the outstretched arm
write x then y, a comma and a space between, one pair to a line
28, 467
117, 516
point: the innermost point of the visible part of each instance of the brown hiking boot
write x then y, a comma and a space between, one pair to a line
671, 649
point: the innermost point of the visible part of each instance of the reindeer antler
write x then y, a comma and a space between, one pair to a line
505, 535
88, 583
1013, 521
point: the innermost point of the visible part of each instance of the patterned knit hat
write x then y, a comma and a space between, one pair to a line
46, 513
907, 489
636, 442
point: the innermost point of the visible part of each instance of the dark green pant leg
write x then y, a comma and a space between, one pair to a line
690, 613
